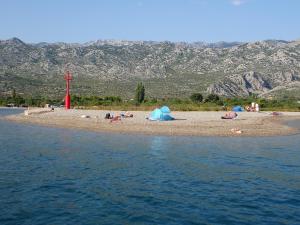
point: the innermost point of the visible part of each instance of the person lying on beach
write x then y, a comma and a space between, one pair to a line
230, 115
276, 114
126, 115
115, 119
236, 130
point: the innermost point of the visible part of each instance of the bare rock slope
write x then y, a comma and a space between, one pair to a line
108, 67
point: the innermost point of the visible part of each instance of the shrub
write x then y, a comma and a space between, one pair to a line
212, 98
196, 97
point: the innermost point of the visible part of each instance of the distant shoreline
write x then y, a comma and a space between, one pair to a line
187, 123
5, 107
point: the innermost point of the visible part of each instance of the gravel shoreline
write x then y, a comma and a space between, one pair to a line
186, 123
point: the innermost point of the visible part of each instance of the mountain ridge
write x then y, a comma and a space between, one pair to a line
168, 69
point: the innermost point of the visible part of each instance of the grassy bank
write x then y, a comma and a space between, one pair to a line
116, 103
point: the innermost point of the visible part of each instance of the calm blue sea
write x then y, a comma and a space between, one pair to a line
62, 176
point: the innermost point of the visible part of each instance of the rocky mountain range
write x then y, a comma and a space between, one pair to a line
110, 67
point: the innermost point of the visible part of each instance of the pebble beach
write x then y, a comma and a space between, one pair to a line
186, 123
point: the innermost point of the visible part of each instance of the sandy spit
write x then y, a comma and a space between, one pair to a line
186, 123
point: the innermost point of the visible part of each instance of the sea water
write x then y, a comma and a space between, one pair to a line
64, 176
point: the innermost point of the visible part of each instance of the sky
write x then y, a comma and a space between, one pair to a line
79, 21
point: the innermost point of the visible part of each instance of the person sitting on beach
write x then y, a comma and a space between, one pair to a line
108, 116
250, 108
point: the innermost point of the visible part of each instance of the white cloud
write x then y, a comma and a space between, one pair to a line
237, 2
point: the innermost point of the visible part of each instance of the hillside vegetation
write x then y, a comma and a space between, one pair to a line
168, 70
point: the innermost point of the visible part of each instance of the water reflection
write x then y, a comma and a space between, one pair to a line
157, 147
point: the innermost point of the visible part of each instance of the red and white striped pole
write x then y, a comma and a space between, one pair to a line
68, 77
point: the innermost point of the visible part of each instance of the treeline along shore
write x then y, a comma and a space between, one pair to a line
194, 103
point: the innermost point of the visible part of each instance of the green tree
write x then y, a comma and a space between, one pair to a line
139, 93
19, 100
13, 94
29, 101
196, 97
212, 98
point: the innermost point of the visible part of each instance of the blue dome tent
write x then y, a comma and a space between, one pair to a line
237, 108
165, 109
156, 114
162, 114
